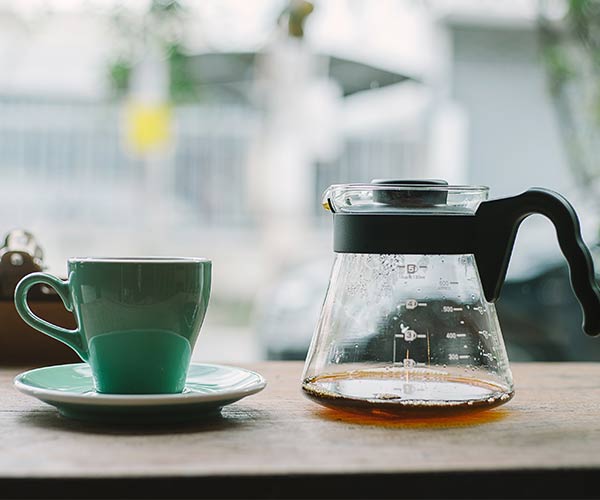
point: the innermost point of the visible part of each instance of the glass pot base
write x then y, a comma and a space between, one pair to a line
412, 393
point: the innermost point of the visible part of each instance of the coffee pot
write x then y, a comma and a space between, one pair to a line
408, 325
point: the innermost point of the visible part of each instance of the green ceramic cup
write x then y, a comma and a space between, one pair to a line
138, 318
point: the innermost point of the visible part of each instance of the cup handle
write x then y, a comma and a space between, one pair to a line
72, 338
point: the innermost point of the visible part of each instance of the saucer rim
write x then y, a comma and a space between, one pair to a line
103, 399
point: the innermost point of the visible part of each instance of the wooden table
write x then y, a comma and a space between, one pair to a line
544, 443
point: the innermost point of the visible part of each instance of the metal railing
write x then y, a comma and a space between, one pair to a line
65, 161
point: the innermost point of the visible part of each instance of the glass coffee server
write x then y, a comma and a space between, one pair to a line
409, 326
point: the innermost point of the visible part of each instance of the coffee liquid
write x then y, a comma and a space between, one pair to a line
407, 394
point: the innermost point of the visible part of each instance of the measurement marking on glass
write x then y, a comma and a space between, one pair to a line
428, 351
413, 304
464, 356
454, 335
410, 335
413, 269
456, 357
454, 282
450, 309
408, 362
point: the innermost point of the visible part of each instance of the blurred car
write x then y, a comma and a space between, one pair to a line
539, 316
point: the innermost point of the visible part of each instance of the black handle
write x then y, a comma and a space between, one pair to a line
497, 225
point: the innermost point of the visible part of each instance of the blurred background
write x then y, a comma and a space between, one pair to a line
174, 127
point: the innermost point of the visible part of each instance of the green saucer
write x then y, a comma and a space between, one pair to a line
70, 388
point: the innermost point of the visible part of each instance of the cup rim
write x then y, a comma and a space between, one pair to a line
140, 260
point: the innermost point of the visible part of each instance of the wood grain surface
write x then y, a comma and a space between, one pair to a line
545, 442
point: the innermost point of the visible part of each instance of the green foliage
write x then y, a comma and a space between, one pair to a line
162, 25
119, 72
571, 54
168, 7
183, 88
559, 67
